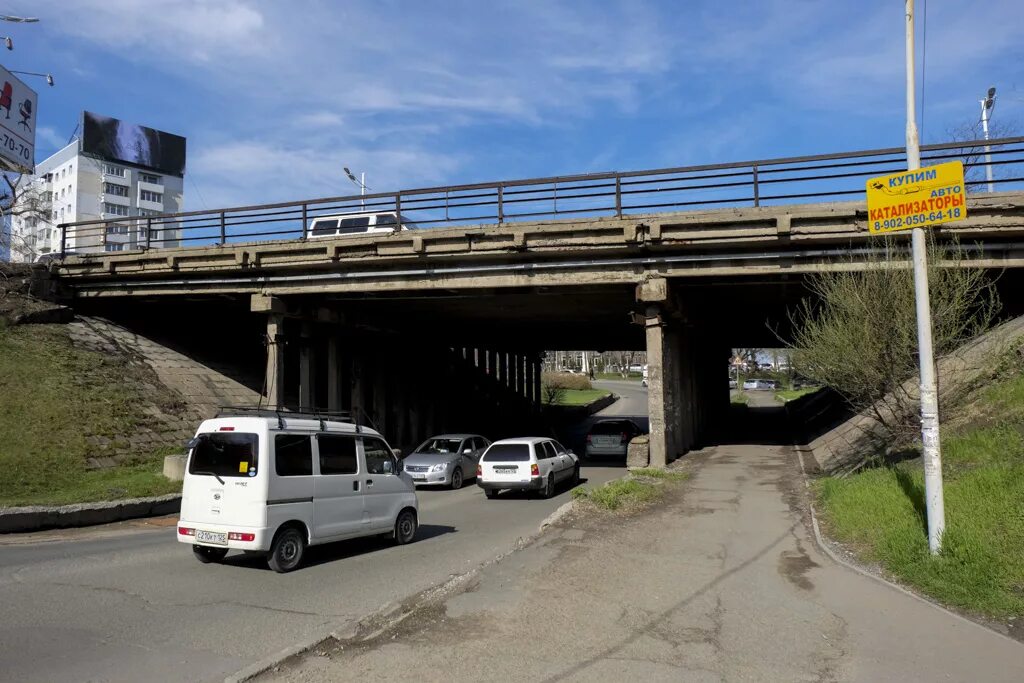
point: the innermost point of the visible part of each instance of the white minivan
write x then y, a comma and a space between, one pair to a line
262, 481
354, 224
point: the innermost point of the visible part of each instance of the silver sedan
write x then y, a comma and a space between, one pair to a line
445, 460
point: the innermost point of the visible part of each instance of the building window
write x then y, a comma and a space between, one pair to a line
110, 169
115, 209
113, 247
117, 229
147, 196
116, 190
151, 179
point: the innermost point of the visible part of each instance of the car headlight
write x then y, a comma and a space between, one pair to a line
439, 468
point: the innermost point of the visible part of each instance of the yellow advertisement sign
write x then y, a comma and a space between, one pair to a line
917, 199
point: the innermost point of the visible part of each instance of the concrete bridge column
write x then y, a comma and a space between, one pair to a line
492, 364
521, 367
380, 397
357, 384
306, 367
334, 372
274, 382
503, 367
657, 392
537, 369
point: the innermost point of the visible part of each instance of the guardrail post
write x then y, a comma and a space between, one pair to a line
305, 222
618, 195
398, 210
63, 240
757, 194
223, 229
149, 230
501, 206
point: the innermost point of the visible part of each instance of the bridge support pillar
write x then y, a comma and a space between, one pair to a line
537, 368
306, 367
334, 378
503, 370
274, 381
657, 392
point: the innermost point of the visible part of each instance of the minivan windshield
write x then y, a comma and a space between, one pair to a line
225, 454
507, 452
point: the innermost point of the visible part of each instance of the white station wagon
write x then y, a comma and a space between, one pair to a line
526, 464
355, 224
262, 481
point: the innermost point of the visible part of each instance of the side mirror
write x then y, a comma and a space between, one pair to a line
193, 442
388, 468
468, 451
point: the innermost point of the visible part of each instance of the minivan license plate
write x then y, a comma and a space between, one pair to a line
506, 470
219, 538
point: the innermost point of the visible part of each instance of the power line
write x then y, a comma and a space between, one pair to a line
198, 193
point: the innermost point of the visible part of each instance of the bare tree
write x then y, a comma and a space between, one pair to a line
23, 199
974, 157
857, 333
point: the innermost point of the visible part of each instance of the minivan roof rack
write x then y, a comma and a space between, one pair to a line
304, 414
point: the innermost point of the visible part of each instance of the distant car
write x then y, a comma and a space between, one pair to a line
761, 384
732, 384
643, 382
355, 224
527, 464
610, 438
445, 460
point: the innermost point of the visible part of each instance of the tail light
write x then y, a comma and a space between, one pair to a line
624, 437
238, 536
185, 531
479, 470
534, 470
588, 438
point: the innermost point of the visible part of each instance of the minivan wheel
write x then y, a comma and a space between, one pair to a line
287, 550
206, 554
457, 479
405, 527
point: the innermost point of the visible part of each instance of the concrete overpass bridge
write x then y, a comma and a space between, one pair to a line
441, 327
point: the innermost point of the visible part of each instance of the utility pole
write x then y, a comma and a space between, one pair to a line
987, 105
932, 454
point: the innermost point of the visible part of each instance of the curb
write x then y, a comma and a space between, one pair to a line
39, 517
882, 580
391, 614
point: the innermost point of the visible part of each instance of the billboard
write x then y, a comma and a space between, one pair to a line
17, 124
115, 140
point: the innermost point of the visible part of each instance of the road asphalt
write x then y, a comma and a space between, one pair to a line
722, 581
127, 601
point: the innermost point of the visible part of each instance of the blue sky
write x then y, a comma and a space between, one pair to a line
276, 97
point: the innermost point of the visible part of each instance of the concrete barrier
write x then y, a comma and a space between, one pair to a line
174, 467
38, 517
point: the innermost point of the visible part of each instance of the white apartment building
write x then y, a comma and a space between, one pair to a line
77, 187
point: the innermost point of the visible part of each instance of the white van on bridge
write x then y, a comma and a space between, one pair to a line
277, 482
354, 224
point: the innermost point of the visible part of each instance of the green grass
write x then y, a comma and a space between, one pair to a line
653, 473
580, 397
631, 492
793, 394
880, 512
54, 397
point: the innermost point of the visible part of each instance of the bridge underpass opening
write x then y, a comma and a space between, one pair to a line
423, 362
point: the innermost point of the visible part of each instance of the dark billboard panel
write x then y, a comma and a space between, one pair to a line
115, 140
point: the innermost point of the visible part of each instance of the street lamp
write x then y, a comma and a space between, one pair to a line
360, 183
48, 77
987, 105
8, 43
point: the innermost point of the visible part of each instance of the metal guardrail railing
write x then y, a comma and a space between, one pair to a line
763, 182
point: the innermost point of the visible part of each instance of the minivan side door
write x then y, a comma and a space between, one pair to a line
338, 506
385, 491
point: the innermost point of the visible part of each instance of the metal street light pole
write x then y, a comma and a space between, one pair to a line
48, 77
934, 505
361, 183
987, 105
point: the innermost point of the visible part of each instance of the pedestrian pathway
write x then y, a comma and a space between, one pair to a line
721, 582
